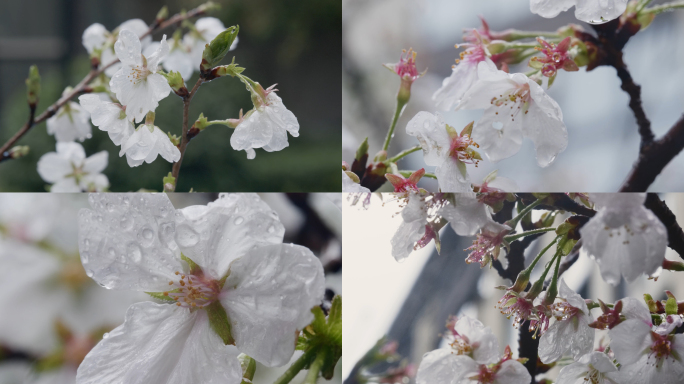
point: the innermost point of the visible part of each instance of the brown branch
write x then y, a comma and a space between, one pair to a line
184, 138
653, 158
94, 72
4, 152
634, 92
675, 235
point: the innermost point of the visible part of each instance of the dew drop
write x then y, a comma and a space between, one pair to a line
186, 236
147, 233
238, 220
271, 229
106, 335
89, 272
134, 252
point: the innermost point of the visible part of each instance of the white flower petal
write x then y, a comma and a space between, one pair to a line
139, 27
268, 297
467, 216
512, 372
254, 132
282, 117
144, 145
161, 344
599, 360
573, 335
635, 309
572, 297
485, 343
67, 185
94, 37
575, 373
499, 136
598, 12
180, 61
406, 237
550, 8
543, 124
348, 185
441, 366
430, 130
451, 179
94, 182
216, 234
96, 163
128, 49
463, 76
278, 141
491, 83
505, 184
629, 340
158, 55
127, 242
53, 167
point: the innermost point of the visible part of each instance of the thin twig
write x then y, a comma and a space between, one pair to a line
634, 92
82, 85
675, 235
4, 155
184, 138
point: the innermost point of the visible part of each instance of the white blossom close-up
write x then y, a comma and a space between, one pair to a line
594, 367
68, 169
109, 117
226, 257
71, 122
515, 107
625, 238
266, 126
146, 143
137, 84
96, 36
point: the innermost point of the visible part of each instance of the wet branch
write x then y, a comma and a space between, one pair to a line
184, 138
675, 235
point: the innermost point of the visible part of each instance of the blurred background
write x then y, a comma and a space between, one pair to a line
602, 134
52, 314
411, 301
293, 43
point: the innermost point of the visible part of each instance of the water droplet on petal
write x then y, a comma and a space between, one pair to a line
238, 220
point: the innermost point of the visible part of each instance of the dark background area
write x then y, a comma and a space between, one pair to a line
295, 43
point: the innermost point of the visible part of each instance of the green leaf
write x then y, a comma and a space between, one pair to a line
362, 150
215, 51
194, 268
218, 320
671, 306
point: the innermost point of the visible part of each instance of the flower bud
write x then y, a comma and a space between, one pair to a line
215, 51
248, 366
363, 150
33, 86
18, 151
162, 14
169, 183
176, 83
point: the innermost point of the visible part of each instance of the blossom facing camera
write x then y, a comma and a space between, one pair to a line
266, 126
625, 238
69, 170
222, 277
593, 12
109, 117
70, 123
515, 107
137, 84
97, 38
146, 143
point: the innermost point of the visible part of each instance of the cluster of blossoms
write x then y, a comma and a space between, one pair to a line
223, 281
131, 85
516, 105
625, 238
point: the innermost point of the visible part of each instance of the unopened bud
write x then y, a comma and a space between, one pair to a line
169, 183
176, 83
215, 51
33, 86
248, 366
18, 151
149, 118
162, 14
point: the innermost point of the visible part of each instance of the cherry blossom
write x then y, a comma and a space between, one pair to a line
69, 170
472, 357
405, 185
227, 256
487, 245
594, 12
97, 37
179, 58
594, 367
625, 238
146, 142
467, 214
647, 354
266, 126
445, 148
570, 332
137, 84
515, 107
70, 123
555, 57
109, 117
464, 74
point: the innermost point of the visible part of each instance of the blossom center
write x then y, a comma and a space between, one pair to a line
458, 149
515, 306
486, 375
486, 244
193, 291
516, 99
661, 348
406, 67
593, 376
138, 73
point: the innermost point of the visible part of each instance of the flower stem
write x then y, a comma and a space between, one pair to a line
402, 154
518, 35
514, 221
297, 366
184, 138
538, 285
536, 259
552, 290
516, 236
397, 114
664, 7
408, 173
315, 368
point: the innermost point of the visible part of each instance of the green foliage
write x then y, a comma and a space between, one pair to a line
324, 336
215, 51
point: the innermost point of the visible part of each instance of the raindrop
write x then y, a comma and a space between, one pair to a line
186, 236
106, 335
238, 220
134, 252
147, 233
89, 272
271, 229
